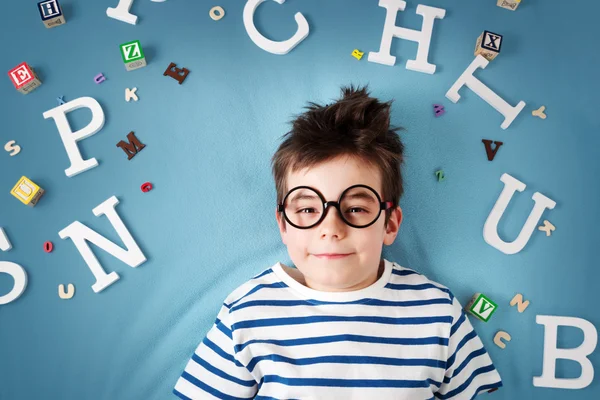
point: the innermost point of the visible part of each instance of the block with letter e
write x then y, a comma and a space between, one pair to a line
24, 78
481, 306
51, 13
133, 55
488, 45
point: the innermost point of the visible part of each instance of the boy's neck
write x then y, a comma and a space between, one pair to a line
299, 277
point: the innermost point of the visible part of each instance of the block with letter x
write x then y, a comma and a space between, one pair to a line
488, 45
481, 306
51, 13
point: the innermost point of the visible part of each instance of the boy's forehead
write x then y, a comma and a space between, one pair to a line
332, 177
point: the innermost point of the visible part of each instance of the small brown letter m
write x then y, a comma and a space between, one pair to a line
131, 148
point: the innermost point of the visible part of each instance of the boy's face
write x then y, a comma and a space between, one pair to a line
364, 245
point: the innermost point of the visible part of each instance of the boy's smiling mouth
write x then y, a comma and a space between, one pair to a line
331, 255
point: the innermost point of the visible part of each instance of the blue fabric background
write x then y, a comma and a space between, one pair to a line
209, 223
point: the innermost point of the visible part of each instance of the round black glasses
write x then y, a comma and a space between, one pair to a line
359, 206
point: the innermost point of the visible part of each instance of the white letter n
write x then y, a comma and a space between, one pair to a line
79, 233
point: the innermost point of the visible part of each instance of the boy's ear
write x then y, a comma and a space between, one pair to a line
391, 230
281, 225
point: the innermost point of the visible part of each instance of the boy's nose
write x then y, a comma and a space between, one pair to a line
332, 220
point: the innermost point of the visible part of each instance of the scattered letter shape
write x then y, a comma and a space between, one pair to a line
488, 148
19, 276
490, 228
121, 12
68, 294
547, 227
132, 147
422, 37
179, 74
578, 354
272, 46
11, 146
498, 339
518, 301
99, 78
79, 233
467, 78
70, 138
130, 94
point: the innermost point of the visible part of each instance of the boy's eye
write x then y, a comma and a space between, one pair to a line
357, 208
303, 209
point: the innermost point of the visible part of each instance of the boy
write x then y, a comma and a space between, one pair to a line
344, 323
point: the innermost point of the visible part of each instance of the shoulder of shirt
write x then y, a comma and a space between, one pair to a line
264, 278
399, 273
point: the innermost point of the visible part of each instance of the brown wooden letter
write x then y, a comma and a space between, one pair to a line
131, 148
488, 148
179, 74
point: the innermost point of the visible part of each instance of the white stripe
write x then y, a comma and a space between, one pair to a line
190, 390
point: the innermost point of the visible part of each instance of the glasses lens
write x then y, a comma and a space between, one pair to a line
359, 206
303, 207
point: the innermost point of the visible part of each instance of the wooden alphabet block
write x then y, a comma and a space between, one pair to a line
27, 192
51, 13
488, 45
24, 78
133, 55
481, 307
509, 5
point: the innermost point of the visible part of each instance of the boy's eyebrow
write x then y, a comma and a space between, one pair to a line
363, 194
302, 195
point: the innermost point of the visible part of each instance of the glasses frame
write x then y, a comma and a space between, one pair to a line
383, 206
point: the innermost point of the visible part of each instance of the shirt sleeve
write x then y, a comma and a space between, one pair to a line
469, 369
213, 371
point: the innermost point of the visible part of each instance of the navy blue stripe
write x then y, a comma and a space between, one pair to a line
422, 286
346, 338
460, 345
487, 387
350, 383
209, 389
458, 323
222, 374
213, 346
466, 383
225, 330
256, 288
343, 359
366, 302
180, 395
403, 272
336, 318
265, 272
471, 356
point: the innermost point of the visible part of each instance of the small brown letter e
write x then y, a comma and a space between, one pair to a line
131, 148
179, 74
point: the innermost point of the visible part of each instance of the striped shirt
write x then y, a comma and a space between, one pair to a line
403, 337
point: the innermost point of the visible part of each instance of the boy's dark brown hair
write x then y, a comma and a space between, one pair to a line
356, 125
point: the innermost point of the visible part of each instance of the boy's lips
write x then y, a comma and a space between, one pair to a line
331, 255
